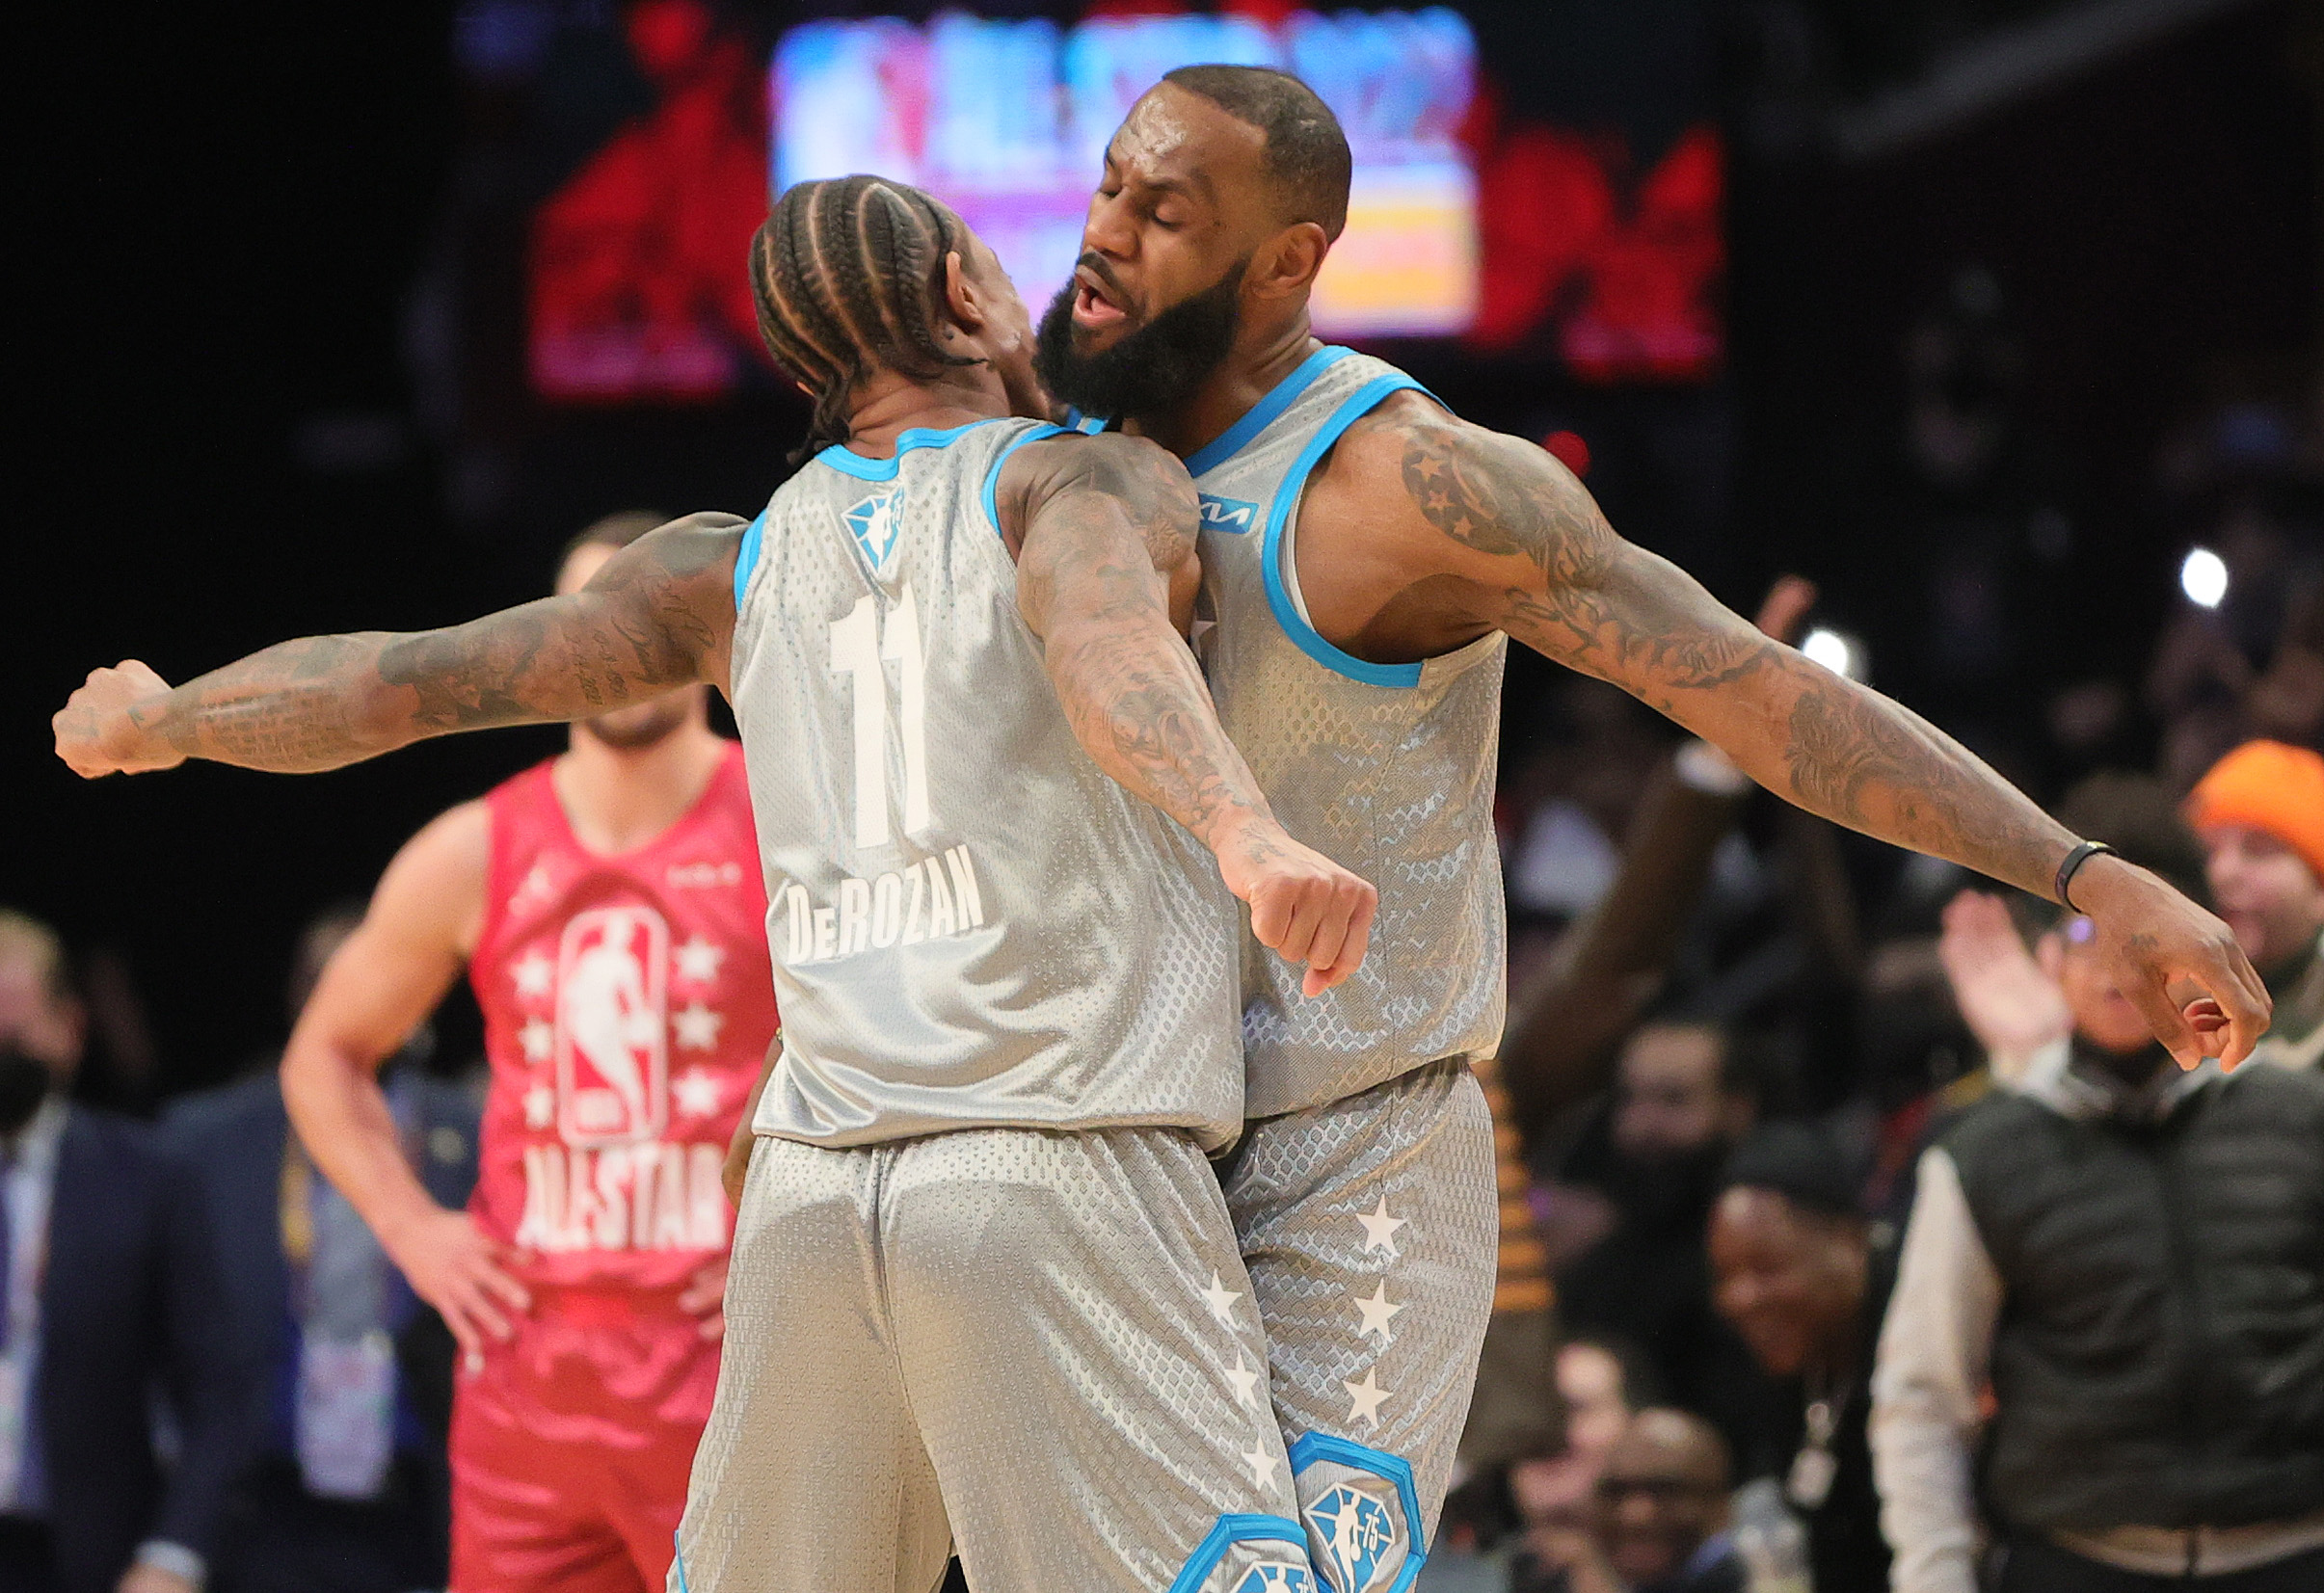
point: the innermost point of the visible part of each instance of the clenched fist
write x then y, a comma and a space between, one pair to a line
98, 732
1303, 906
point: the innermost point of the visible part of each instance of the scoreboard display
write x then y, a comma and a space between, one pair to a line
1007, 122
1516, 210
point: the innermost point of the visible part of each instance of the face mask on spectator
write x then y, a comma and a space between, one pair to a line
24, 1083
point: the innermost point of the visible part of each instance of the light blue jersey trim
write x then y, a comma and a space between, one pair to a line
1270, 555
992, 477
850, 462
1234, 1529
746, 558
1088, 425
1356, 1457
1229, 442
680, 1562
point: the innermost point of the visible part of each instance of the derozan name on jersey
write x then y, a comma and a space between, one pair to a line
931, 898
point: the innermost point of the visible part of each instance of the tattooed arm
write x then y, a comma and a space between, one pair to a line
1103, 530
659, 615
1511, 541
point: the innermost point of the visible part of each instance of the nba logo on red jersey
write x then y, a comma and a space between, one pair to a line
628, 1003
613, 1060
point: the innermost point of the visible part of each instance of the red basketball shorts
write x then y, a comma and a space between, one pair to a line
571, 1446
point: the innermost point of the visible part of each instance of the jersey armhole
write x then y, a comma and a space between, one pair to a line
992, 477
746, 559
499, 862
1303, 635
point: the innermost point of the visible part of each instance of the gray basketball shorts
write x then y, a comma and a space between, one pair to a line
1371, 1230
1039, 1346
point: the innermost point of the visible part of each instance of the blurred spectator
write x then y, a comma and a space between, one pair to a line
1654, 1522
2132, 1258
1546, 1488
2261, 814
2013, 1008
1661, 1512
1554, 1489
1800, 1277
107, 1296
348, 1492
1628, 1204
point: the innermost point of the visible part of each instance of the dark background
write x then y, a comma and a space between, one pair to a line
228, 230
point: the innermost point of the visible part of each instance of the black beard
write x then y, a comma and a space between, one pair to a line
1152, 370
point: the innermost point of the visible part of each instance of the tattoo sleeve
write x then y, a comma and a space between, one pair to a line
659, 615
1550, 571
1109, 528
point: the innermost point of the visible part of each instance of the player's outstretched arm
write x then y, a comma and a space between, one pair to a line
1537, 560
1103, 531
659, 615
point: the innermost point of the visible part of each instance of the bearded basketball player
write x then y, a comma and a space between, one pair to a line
984, 1287
608, 908
1366, 555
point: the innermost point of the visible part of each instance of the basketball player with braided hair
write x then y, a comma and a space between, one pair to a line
984, 1287
828, 310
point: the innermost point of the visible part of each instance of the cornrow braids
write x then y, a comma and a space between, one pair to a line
848, 278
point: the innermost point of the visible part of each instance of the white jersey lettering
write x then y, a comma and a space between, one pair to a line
941, 899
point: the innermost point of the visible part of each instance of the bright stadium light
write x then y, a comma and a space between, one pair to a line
2202, 575
1830, 649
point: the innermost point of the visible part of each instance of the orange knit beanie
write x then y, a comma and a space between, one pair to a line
2271, 786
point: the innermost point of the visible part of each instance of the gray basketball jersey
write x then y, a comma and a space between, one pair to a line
972, 925
1387, 769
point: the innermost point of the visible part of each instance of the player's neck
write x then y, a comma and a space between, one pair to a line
889, 405
619, 798
1261, 358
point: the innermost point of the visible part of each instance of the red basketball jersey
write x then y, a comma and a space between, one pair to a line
628, 1005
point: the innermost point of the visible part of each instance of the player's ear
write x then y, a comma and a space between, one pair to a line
962, 301
1287, 263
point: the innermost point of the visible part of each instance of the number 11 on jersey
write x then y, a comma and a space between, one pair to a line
858, 650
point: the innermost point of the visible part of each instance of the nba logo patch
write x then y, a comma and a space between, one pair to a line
1276, 1577
1232, 515
1358, 1532
876, 522
613, 1022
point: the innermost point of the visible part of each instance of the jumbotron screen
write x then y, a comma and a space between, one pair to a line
1524, 213
1007, 122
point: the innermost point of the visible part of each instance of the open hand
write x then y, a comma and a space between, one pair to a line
2009, 1006
1303, 906
704, 1299
452, 1264
98, 734
2177, 963
737, 1165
